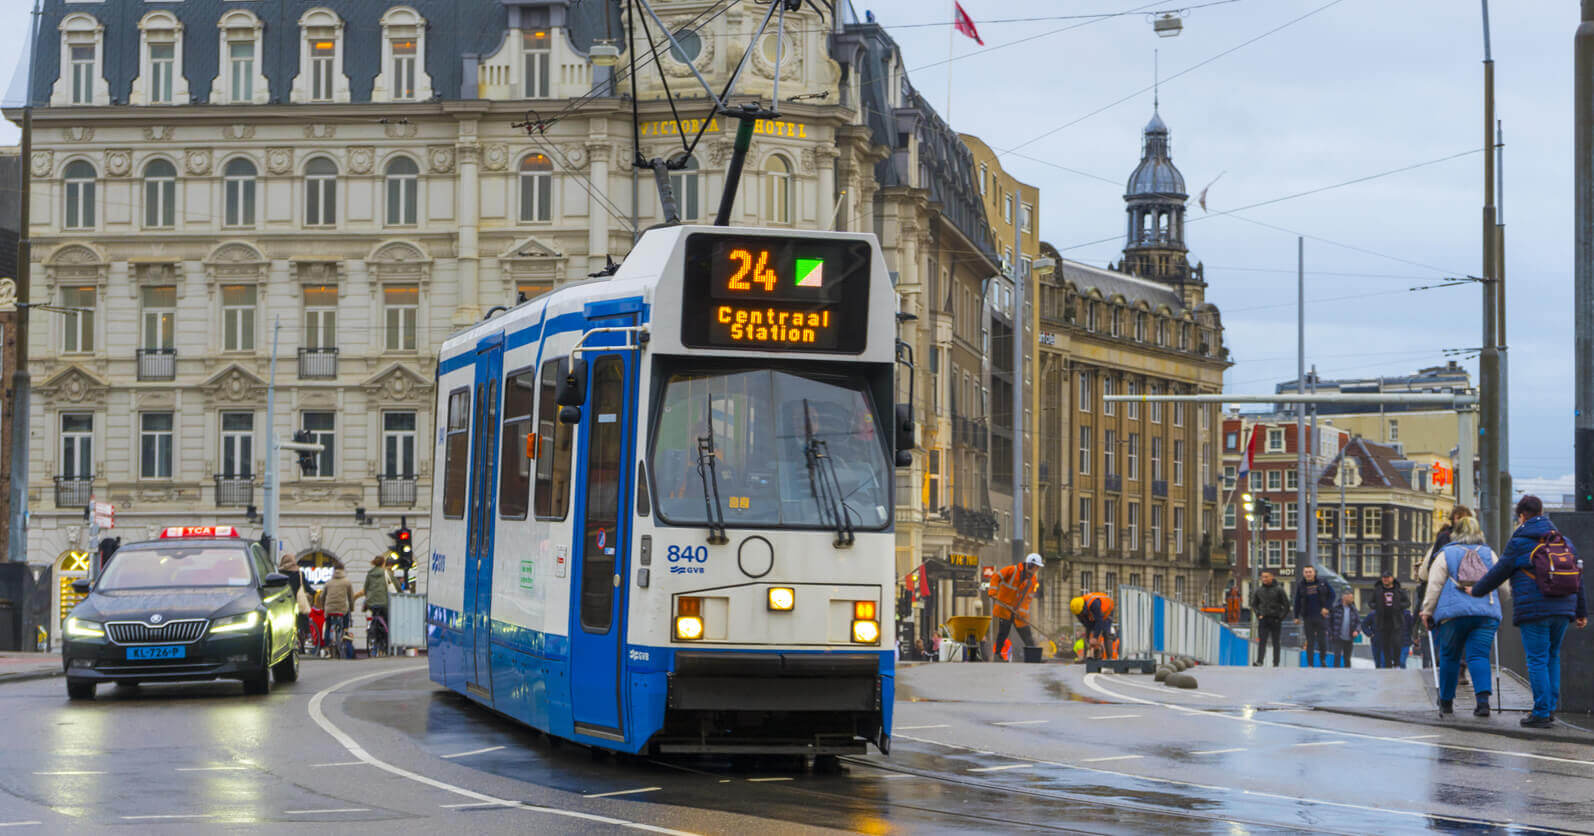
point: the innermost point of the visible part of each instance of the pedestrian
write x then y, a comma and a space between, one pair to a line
1547, 594
289, 566
1346, 624
1443, 537
1391, 631
918, 650
337, 600
376, 601
1313, 598
1463, 626
1094, 611
1012, 587
1271, 605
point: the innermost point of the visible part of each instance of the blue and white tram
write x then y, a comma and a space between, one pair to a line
663, 515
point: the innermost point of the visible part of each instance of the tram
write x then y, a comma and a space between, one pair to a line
662, 520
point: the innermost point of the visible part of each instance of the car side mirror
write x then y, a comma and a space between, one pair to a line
275, 580
904, 435
82, 586
572, 389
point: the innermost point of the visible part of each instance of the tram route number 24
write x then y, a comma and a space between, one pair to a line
678, 555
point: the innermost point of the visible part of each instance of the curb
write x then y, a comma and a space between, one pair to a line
30, 675
1562, 733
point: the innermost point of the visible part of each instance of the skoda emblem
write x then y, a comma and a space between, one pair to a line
155, 619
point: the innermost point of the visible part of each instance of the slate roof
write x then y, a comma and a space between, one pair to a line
1110, 282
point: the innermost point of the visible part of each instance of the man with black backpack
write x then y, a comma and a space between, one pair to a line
1546, 595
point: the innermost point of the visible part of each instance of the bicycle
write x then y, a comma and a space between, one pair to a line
337, 625
376, 635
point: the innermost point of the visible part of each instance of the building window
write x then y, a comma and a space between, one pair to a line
1369, 561
1084, 522
1086, 581
1109, 523
162, 63
404, 69
1275, 554
241, 71
1230, 476
1109, 452
77, 321
399, 308
160, 316
323, 65
1110, 582
1178, 413
1024, 217
1140, 327
1230, 517
514, 468
1109, 386
535, 51
83, 63
155, 445
1394, 430
398, 445
777, 190
160, 195
688, 190
1275, 480
322, 427
320, 317
984, 177
1292, 479
1275, 440
1007, 209
1256, 481
1373, 524
1132, 408
79, 177
320, 192
536, 189
1178, 462
1156, 459
237, 444
403, 184
1177, 546
1132, 457
77, 445
1155, 407
238, 193
1132, 527
238, 317
1084, 451
1085, 392
1156, 528
1292, 515
456, 453
1231, 441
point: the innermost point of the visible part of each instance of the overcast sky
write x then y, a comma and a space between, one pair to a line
1357, 88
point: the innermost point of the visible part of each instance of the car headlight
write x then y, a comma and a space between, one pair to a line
80, 629
236, 623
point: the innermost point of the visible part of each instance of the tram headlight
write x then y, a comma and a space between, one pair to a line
688, 619
865, 626
782, 598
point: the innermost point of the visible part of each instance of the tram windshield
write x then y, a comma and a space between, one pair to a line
777, 440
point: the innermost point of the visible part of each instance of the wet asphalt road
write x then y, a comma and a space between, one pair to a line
1050, 750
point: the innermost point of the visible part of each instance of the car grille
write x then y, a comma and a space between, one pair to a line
172, 632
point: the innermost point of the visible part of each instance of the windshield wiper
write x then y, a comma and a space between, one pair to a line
823, 480
709, 472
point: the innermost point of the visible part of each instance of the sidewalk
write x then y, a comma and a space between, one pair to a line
1511, 705
19, 667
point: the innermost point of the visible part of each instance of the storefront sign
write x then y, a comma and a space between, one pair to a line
767, 127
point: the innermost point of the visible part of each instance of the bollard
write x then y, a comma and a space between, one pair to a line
1163, 673
1180, 680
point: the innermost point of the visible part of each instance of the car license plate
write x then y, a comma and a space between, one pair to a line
170, 651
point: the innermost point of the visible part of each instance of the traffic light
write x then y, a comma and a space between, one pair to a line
1265, 508
307, 463
403, 550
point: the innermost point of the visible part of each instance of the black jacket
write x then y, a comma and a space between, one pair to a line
1270, 601
1389, 605
1311, 598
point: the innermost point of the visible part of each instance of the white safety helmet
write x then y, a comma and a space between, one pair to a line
1033, 559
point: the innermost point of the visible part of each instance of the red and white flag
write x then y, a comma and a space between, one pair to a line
965, 24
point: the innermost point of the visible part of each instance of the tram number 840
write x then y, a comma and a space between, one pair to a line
686, 554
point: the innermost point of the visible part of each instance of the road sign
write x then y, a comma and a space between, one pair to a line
104, 522
104, 509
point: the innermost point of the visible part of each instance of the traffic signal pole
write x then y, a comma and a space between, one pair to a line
269, 535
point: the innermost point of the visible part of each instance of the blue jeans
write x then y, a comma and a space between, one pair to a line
1468, 637
1541, 643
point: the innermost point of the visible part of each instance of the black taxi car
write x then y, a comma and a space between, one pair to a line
199, 603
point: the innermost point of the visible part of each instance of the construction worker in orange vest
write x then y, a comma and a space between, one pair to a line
1094, 611
1011, 589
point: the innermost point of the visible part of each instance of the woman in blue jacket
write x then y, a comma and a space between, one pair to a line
1542, 620
1466, 625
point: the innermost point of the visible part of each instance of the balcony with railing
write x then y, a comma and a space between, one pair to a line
395, 491
1209, 493
234, 491
318, 363
157, 364
979, 525
1113, 482
1159, 488
970, 433
73, 491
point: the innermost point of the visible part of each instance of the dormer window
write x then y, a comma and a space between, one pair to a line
81, 80
323, 58
160, 78
404, 70
536, 51
239, 79
321, 77
403, 77
83, 64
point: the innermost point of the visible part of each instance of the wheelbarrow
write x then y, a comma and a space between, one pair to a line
968, 630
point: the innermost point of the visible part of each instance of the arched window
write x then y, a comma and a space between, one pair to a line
536, 188
238, 189
403, 180
79, 177
777, 191
160, 194
403, 57
320, 192
81, 76
161, 80
239, 78
687, 188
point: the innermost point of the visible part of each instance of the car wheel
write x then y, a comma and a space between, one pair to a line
79, 690
260, 682
288, 669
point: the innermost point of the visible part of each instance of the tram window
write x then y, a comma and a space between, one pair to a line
456, 461
553, 454
514, 479
605, 471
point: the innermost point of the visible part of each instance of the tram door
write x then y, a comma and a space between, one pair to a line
597, 629
481, 512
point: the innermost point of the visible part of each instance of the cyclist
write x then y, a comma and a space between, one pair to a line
337, 599
375, 595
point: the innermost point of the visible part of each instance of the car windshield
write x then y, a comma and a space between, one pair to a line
767, 429
153, 568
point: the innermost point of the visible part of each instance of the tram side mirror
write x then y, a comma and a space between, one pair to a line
81, 586
569, 414
572, 383
904, 434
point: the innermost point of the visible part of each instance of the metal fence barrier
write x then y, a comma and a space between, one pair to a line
406, 620
1151, 626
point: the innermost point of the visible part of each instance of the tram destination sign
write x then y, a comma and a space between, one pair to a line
775, 293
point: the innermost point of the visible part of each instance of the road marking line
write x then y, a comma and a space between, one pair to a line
331, 810
19, 823
340, 763
762, 780
1163, 689
1020, 722
170, 816
1419, 737
622, 792
71, 772
211, 768
319, 716
1322, 743
916, 728
473, 752
1115, 758
1114, 716
1001, 768
1218, 751
476, 804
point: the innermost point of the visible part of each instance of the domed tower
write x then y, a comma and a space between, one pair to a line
1155, 202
